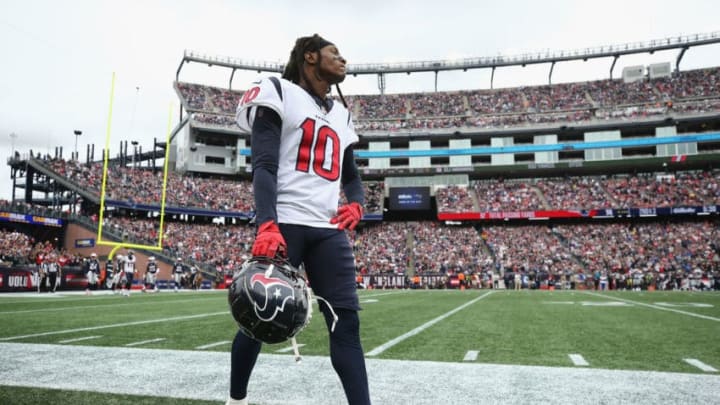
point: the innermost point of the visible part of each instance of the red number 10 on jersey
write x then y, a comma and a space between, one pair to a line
315, 157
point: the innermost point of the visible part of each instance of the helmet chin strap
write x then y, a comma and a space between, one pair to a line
293, 341
296, 350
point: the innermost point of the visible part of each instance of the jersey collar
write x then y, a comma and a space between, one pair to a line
325, 104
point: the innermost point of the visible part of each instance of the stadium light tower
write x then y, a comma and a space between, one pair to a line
77, 133
134, 144
13, 137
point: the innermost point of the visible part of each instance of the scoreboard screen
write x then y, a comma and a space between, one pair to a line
409, 198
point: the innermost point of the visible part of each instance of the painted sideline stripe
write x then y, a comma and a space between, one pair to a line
471, 355
289, 348
319, 384
115, 305
142, 342
115, 325
72, 296
710, 318
578, 360
207, 346
387, 345
381, 294
702, 366
79, 339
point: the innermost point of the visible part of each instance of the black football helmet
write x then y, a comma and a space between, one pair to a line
269, 300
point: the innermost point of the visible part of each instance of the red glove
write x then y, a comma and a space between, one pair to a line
269, 241
348, 216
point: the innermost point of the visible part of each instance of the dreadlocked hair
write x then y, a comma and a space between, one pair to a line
293, 68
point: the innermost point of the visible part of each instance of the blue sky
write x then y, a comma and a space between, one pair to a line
58, 57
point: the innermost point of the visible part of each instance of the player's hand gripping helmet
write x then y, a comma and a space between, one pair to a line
269, 300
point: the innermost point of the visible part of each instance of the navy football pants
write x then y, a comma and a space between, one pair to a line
330, 267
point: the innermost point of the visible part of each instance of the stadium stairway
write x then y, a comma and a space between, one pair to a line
486, 251
590, 100
541, 197
474, 197
466, 104
574, 258
409, 243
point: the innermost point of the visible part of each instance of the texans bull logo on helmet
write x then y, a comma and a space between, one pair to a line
276, 292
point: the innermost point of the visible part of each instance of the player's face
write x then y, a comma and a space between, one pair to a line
332, 64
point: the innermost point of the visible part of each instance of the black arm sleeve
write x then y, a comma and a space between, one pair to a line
352, 186
265, 150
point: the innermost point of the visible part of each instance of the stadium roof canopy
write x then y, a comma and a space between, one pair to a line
683, 43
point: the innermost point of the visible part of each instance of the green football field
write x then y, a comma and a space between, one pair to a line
408, 337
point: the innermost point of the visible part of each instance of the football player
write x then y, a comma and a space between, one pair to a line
129, 270
301, 145
151, 273
118, 275
109, 273
92, 272
177, 273
193, 277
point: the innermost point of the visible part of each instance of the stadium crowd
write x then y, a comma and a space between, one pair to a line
642, 190
680, 254
598, 255
15, 247
221, 246
20, 249
693, 91
454, 199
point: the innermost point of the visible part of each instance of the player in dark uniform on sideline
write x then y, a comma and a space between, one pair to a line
109, 274
302, 155
92, 272
178, 271
151, 272
118, 279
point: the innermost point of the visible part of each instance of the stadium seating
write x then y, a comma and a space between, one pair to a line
615, 250
693, 91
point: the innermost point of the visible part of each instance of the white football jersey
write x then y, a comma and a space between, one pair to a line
130, 264
312, 147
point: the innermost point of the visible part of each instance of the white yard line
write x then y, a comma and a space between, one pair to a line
114, 325
678, 311
93, 306
143, 342
702, 366
371, 295
419, 329
209, 345
80, 339
471, 355
74, 296
135, 371
578, 360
